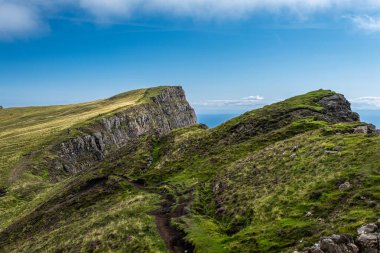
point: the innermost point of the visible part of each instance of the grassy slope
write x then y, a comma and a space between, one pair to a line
269, 186
30, 129
265, 185
26, 129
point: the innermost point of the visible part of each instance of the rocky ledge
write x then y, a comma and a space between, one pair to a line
161, 114
367, 241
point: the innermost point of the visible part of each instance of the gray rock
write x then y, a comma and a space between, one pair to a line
337, 148
295, 148
368, 228
368, 243
308, 214
166, 111
367, 129
346, 185
338, 244
339, 108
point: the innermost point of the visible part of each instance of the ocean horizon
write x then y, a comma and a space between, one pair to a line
215, 119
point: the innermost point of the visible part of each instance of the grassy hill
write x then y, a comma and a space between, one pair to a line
26, 129
28, 134
274, 179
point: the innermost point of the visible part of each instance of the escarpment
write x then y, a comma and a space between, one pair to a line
159, 115
275, 179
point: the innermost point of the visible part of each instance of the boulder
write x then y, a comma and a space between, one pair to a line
346, 185
368, 229
368, 243
367, 129
338, 244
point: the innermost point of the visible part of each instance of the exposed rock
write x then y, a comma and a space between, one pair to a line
165, 112
295, 148
367, 129
339, 109
336, 109
314, 249
338, 244
368, 228
368, 241
308, 214
337, 148
346, 185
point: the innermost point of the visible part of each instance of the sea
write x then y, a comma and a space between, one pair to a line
213, 120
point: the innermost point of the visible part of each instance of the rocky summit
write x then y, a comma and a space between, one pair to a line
136, 173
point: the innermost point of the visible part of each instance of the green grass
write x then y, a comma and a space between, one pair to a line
118, 223
28, 133
275, 172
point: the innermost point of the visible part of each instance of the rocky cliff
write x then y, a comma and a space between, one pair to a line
159, 115
275, 179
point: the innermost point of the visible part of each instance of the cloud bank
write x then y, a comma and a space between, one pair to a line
22, 17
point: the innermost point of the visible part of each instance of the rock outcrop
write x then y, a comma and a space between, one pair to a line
338, 109
161, 114
367, 241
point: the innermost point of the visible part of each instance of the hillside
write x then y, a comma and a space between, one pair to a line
134, 173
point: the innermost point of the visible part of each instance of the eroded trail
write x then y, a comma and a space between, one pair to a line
174, 238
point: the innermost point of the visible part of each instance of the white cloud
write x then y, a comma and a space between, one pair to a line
243, 102
17, 20
366, 103
253, 98
23, 17
367, 23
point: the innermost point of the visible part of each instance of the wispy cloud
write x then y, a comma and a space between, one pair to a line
243, 102
367, 23
18, 20
366, 103
23, 17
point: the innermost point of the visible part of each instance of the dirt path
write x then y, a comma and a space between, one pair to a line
174, 239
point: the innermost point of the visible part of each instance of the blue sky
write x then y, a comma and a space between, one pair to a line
230, 56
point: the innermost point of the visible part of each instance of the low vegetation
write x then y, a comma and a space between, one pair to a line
274, 179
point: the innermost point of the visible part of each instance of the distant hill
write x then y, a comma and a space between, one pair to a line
135, 173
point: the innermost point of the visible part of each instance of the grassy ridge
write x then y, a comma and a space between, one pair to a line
24, 131
272, 180
275, 187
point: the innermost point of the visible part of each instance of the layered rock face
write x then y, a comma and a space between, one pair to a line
164, 112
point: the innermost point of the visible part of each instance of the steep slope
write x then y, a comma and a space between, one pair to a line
276, 179
43, 146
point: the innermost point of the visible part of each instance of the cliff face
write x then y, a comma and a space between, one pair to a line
338, 109
161, 114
